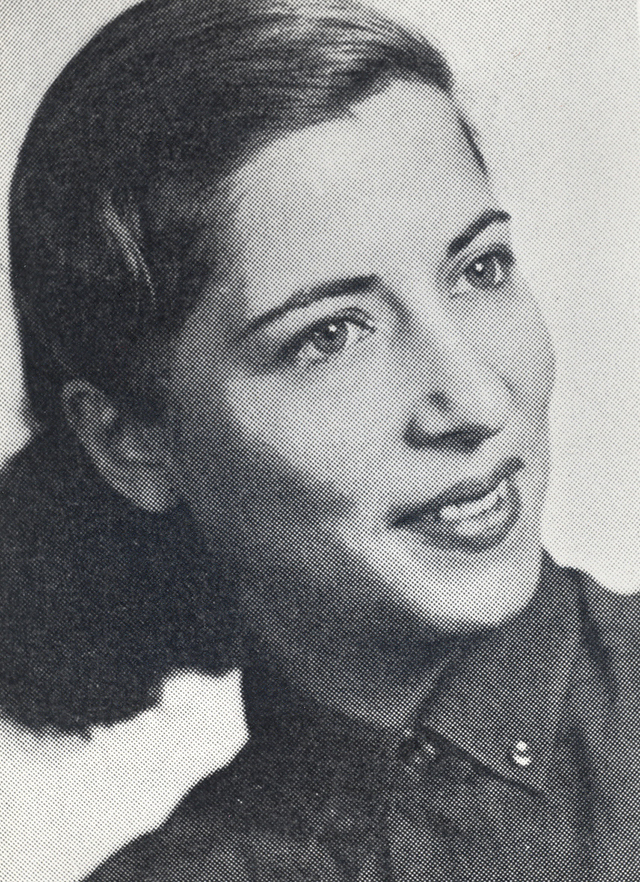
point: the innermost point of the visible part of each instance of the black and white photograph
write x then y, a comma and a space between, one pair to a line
320, 441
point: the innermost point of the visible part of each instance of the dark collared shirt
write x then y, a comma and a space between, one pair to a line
489, 781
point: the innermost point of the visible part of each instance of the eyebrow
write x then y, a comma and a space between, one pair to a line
492, 216
323, 291
364, 283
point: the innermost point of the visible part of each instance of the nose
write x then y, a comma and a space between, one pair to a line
463, 399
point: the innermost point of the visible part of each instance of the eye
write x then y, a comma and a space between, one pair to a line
489, 271
326, 340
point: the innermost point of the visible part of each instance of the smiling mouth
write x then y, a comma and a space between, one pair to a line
473, 515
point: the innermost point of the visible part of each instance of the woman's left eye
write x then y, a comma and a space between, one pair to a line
489, 271
326, 339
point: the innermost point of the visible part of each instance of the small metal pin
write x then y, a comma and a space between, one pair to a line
521, 754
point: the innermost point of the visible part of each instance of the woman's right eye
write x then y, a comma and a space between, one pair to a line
325, 340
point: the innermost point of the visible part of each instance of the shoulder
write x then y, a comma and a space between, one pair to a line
612, 618
182, 849
611, 625
198, 838
611, 636
240, 824
609, 622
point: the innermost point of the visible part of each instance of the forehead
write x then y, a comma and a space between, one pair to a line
394, 174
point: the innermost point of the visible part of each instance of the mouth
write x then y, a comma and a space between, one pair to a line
473, 515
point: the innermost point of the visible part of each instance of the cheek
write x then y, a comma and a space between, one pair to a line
333, 431
514, 339
247, 479
249, 450
531, 361
275, 461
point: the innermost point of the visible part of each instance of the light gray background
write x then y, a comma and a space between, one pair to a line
554, 89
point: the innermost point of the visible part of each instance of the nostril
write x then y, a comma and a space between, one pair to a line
439, 400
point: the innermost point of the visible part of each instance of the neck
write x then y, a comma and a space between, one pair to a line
380, 685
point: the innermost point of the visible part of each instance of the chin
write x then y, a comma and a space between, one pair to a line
495, 593
457, 591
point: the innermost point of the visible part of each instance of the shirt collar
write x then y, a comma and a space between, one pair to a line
502, 701
499, 700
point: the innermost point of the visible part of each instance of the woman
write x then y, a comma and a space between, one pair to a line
293, 394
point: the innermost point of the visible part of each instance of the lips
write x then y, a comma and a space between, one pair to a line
472, 515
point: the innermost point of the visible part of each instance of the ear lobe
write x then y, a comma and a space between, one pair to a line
132, 456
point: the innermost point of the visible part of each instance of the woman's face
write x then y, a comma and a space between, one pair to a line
364, 398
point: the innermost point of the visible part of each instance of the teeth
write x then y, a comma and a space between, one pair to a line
477, 507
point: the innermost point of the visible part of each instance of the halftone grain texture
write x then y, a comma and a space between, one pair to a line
515, 766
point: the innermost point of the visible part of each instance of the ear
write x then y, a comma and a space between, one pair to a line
132, 456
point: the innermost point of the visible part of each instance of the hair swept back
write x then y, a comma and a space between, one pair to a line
117, 174
115, 182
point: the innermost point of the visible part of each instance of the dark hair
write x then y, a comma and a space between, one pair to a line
116, 176
115, 182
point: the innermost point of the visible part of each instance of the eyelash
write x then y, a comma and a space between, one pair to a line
291, 350
502, 254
